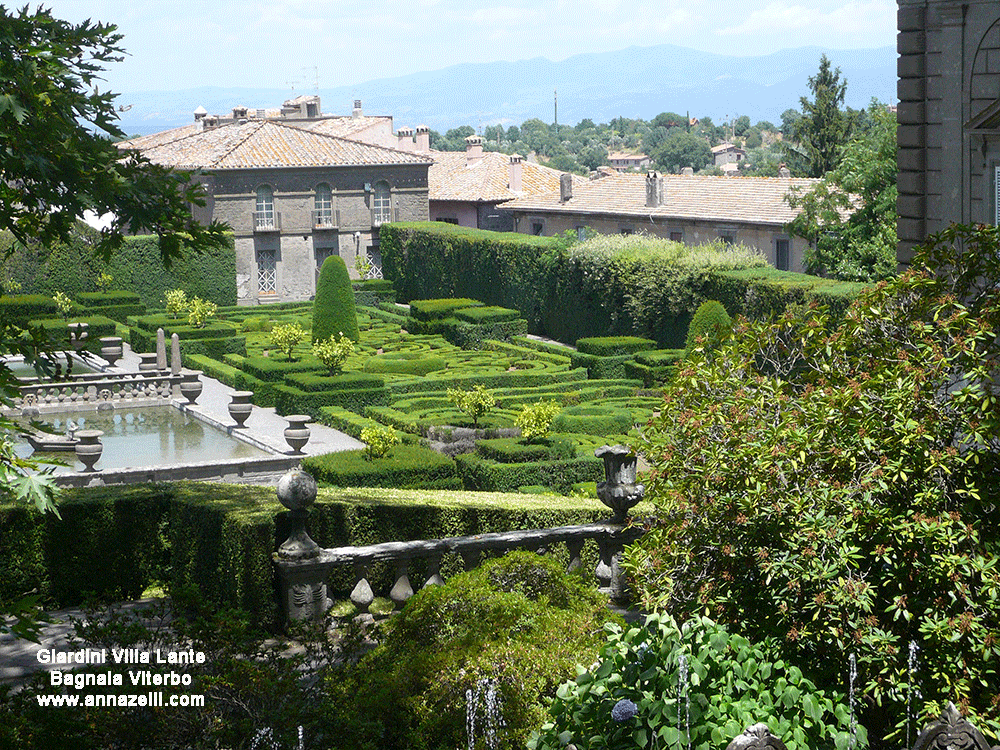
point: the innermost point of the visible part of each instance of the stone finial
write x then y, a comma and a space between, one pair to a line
161, 350
175, 354
297, 491
756, 737
951, 731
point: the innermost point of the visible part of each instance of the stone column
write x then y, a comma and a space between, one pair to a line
161, 350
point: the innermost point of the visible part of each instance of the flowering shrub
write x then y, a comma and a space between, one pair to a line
64, 303
535, 420
477, 403
104, 281
840, 479
286, 336
333, 352
199, 311
661, 684
378, 441
176, 301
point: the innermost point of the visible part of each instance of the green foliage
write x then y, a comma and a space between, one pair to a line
535, 420
519, 623
58, 132
561, 474
593, 420
334, 312
680, 149
710, 326
199, 311
613, 346
850, 217
20, 308
408, 363
378, 441
286, 337
104, 281
732, 683
176, 301
838, 480
332, 352
435, 309
476, 403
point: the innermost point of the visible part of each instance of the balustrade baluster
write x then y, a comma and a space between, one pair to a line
362, 596
434, 572
401, 590
575, 547
605, 552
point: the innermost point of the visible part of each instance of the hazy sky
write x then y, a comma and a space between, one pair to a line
178, 44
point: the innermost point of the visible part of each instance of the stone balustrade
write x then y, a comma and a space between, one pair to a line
302, 579
94, 390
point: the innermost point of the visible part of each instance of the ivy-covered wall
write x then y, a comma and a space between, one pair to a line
73, 269
610, 285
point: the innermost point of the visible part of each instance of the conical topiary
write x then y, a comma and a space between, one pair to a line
333, 310
711, 322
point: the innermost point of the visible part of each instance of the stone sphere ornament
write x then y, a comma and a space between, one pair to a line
297, 491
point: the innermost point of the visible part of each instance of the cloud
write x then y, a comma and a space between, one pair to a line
857, 17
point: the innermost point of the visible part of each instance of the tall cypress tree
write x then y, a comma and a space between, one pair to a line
823, 127
334, 311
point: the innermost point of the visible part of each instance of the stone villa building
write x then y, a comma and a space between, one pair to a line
948, 143
687, 208
296, 187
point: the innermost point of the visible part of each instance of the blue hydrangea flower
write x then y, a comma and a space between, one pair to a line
624, 710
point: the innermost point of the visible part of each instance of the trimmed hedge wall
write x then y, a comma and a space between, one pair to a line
482, 474
574, 293
437, 309
116, 541
73, 269
403, 467
289, 399
614, 346
372, 292
18, 309
58, 332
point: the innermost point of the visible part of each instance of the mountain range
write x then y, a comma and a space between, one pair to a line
637, 82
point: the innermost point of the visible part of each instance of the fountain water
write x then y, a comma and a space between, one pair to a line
683, 696
485, 698
911, 679
852, 675
264, 735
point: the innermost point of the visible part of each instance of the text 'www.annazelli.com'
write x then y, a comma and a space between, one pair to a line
131, 700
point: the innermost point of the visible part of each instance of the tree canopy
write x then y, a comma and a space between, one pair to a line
823, 126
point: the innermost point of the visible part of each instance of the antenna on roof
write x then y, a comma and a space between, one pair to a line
315, 71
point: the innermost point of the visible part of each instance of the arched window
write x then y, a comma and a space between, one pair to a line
323, 208
263, 215
381, 204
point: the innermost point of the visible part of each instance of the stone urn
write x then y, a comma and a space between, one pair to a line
147, 362
240, 407
297, 434
78, 334
191, 385
88, 448
111, 349
618, 490
297, 491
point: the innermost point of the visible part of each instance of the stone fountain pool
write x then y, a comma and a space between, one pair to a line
144, 437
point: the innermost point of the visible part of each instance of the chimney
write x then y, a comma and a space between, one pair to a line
783, 172
423, 139
405, 139
565, 187
200, 113
688, 171
239, 113
654, 190
473, 149
515, 172
357, 109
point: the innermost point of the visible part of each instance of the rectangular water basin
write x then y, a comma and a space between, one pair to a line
20, 369
144, 437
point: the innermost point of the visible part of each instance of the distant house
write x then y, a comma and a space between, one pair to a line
623, 161
294, 189
685, 208
727, 156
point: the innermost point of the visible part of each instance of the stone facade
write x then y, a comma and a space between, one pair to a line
297, 244
948, 143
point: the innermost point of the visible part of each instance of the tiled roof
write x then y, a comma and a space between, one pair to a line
749, 200
725, 147
486, 180
344, 127
259, 144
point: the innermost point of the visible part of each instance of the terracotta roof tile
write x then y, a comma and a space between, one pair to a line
752, 200
487, 180
258, 144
